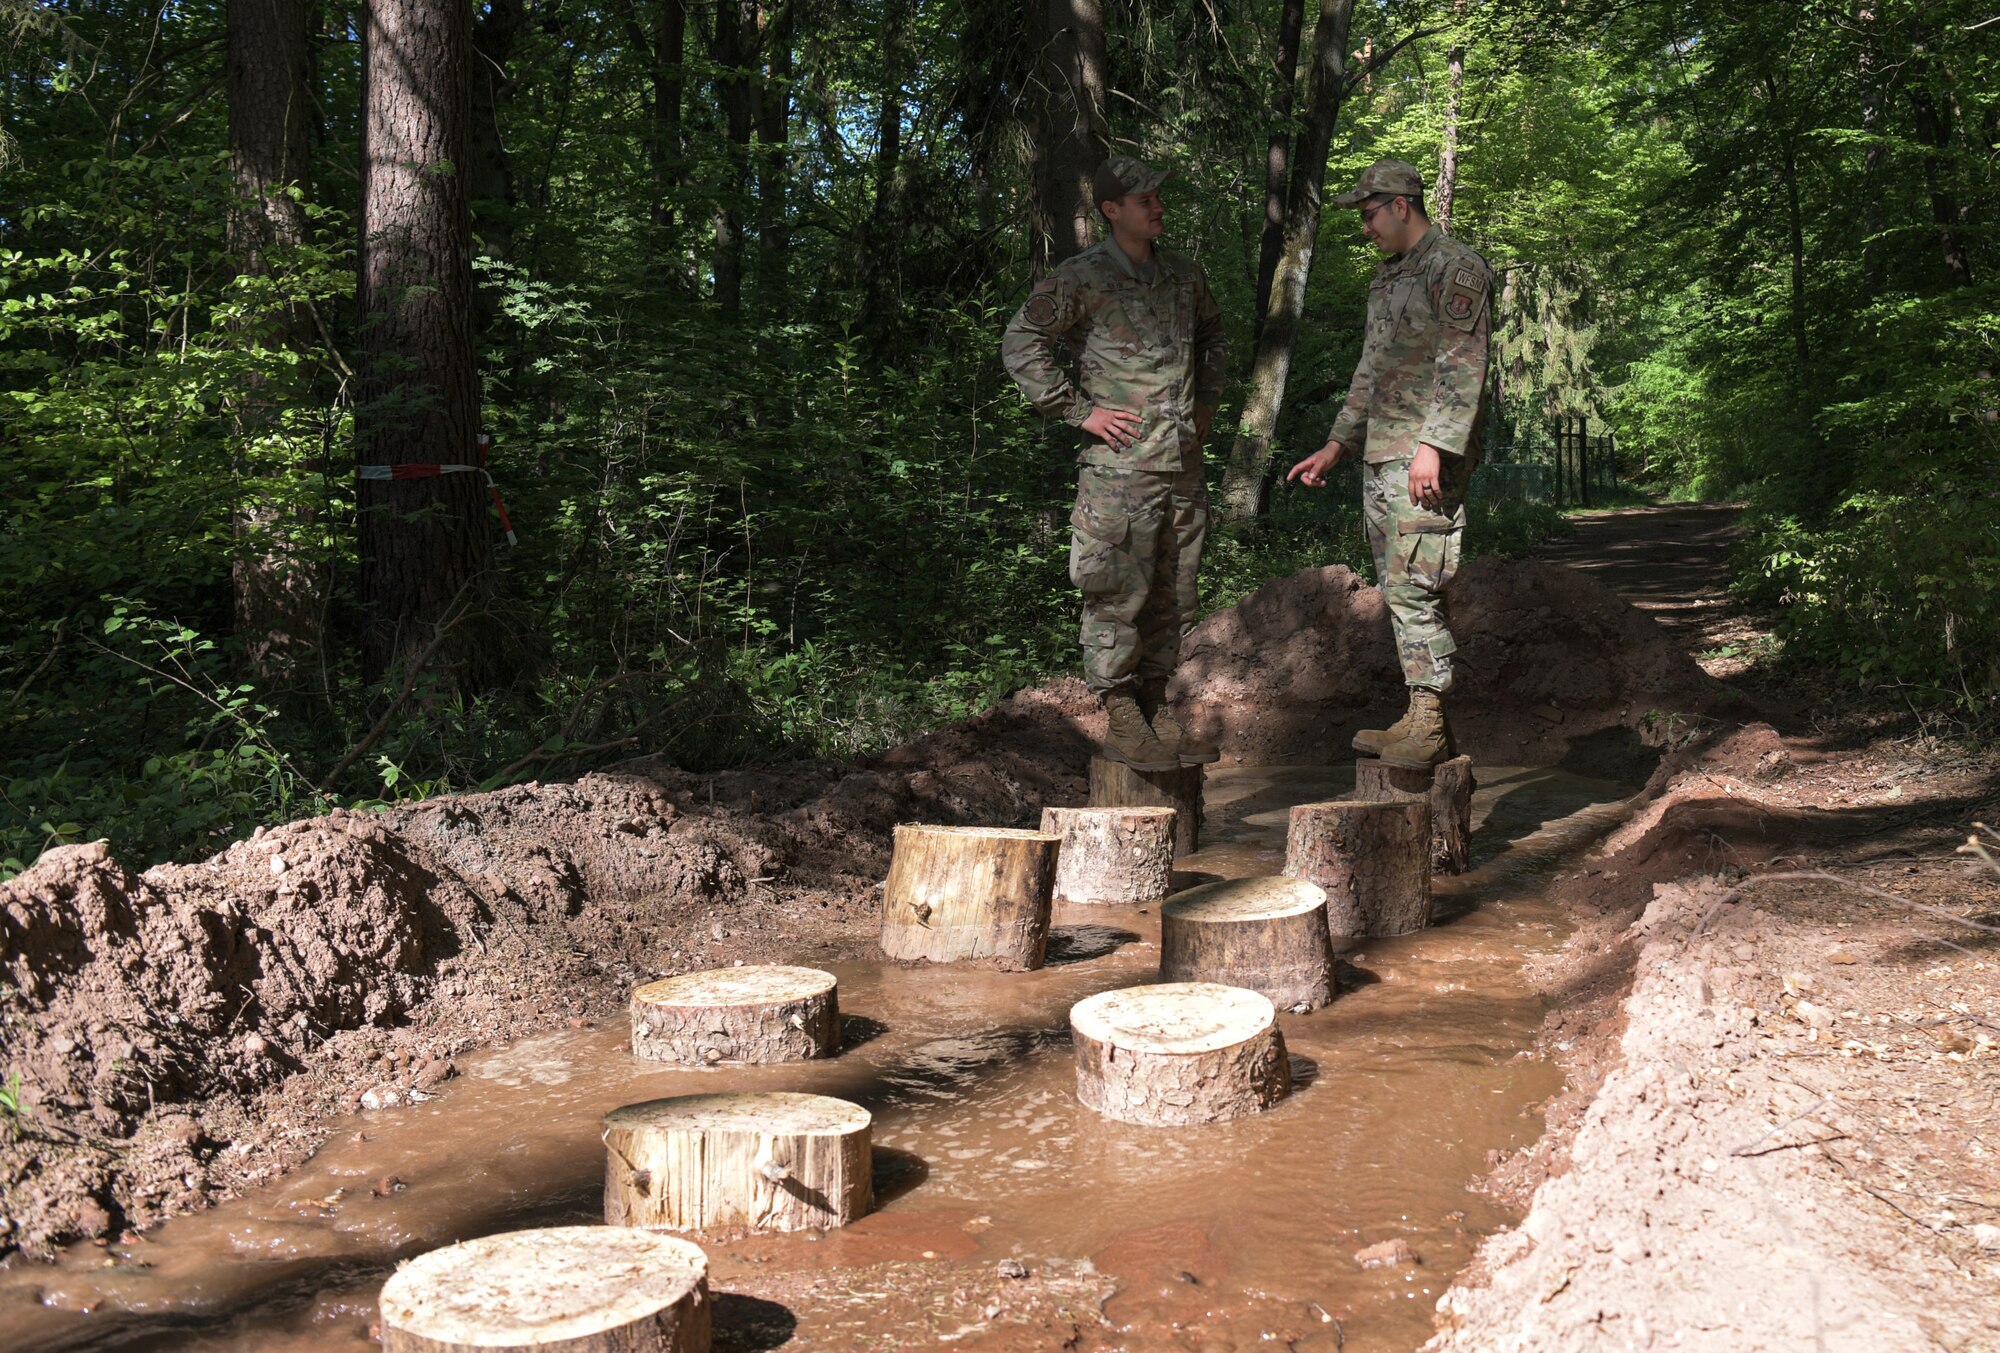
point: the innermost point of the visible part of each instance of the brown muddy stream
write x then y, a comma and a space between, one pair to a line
1232, 1236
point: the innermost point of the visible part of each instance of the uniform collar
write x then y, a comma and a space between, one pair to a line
1416, 253
1126, 264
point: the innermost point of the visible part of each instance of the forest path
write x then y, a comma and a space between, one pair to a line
1672, 562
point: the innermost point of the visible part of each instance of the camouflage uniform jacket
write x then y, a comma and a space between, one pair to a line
1422, 373
1150, 342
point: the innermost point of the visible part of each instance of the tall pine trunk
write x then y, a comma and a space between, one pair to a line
774, 122
1277, 155
1933, 127
1072, 138
1244, 491
1447, 180
425, 544
735, 48
269, 89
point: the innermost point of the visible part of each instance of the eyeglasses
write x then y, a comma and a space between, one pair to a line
1368, 212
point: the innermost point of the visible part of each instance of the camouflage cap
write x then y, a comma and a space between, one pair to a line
1384, 176
1120, 175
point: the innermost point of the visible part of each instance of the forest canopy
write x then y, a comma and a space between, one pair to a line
709, 293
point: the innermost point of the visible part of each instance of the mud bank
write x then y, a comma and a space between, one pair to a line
1779, 1126
181, 1034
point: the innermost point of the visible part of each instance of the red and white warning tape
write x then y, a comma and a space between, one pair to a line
420, 471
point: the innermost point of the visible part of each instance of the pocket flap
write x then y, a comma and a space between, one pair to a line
1417, 522
1108, 524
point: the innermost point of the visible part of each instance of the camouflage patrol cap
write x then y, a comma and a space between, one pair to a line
1393, 177
1120, 175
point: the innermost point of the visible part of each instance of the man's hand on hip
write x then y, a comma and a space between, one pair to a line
1427, 477
1313, 469
1114, 427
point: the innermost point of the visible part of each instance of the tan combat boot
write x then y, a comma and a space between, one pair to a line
1371, 741
1129, 738
1173, 735
1426, 738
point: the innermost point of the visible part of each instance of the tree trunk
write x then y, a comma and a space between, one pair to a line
1073, 140
425, 543
1933, 127
885, 245
969, 893
581, 1289
1447, 182
1869, 69
1291, 20
763, 1013
770, 1160
1373, 859
1267, 935
1244, 491
665, 52
269, 82
1178, 1053
774, 123
735, 50
1113, 784
1112, 856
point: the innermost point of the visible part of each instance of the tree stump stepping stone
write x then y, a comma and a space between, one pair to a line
1265, 934
1373, 859
1113, 784
959, 894
1178, 1053
768, 1160
760, 1013
1112, 856
1448, 786
564, 1289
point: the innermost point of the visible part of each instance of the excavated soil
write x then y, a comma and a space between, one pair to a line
181, 1034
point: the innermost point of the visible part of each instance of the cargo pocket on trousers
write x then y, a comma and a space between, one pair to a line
1430, 558
1097, 563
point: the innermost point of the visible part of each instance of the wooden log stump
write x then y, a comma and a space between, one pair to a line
1373, 859
1178, 1053
969, 893
1266, 934
1112, 856
565, 1289
1113, 784
762, 1013
1449, 788
770, 1160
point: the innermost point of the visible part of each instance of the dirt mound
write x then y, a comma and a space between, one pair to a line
153, 1018
1549, 663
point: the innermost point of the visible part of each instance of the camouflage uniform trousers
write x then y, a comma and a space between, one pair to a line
1416, 555
1136, 538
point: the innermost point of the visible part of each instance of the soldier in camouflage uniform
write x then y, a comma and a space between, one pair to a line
1416, 410
1149, 374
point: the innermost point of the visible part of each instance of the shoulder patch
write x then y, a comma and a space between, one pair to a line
1041, 307
1464, 296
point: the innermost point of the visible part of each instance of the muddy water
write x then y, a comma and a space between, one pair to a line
1235, 1235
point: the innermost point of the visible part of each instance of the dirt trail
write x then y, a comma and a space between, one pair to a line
1780, 1031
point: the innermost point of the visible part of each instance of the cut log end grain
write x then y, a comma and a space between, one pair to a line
1112, 856
1373, 859
969, 894
1178, 1053
1265, 934
769, 1160
580, 1289
1113, 784
767, 1013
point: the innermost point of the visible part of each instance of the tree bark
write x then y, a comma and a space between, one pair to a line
1245, 493
1447, 182
664, 50
1178, 1053
1267, 935
1277, 162
735, 51
1447, 786
269, 84
774, 122
425, 544
762, 1013
1373, 859
581, 1289
969, 893
885, 245
1933, 127
1113, 784
1112, 856
771, 1160
1074, 139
